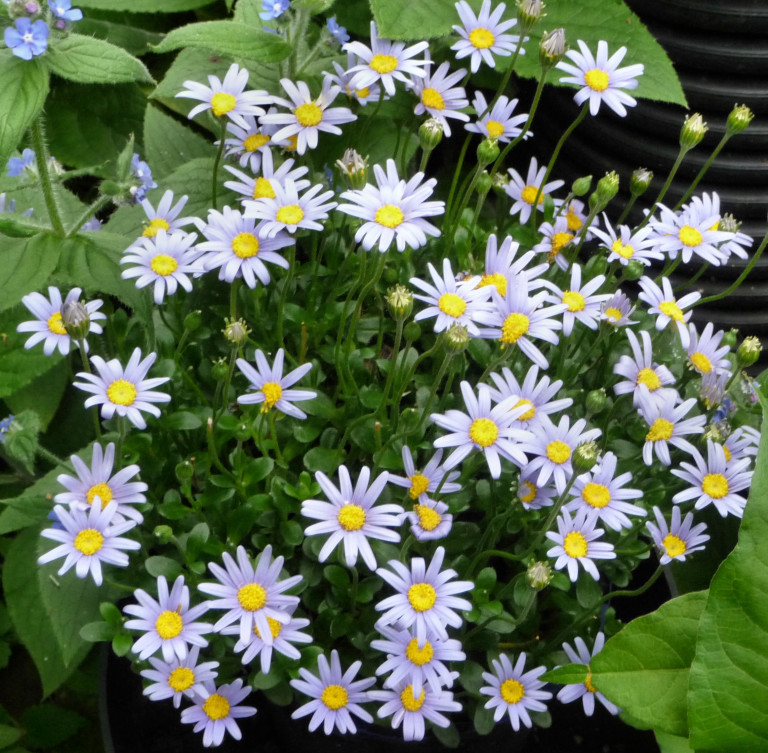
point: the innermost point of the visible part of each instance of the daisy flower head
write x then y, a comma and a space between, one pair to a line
178, 678
678, 539
48, 326
336, 696
484, 428
440, 97
451, 302
513, 691
227, 97
586, 691
625, 246
393, 210
425, 597
556, 238
501, 265
429, 520
741, 443
125, 391
583, 303
601, 78
428, 480
215, 711
712, 393
577, 543
251, 142
667, 426
601, 490
166, 216
385, 62
553, 445
168, 623
238, 247
617, 310
165, 259
272, 388
286, 210
498, 122
86, 539
410, 708
98, 482
308, 116
524, 191
704, 353
575, 216
639, 370
662, 302
483, 35
261, 186
714, 481
352, 516
532, 496
343, 79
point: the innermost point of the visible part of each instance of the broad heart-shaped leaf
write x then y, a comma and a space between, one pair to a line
47, 611
228, 38
145, 6
170, 144
405, 19
727, 702
93, 61
644, 668
570, 674
24, 87
130, 38
27, 264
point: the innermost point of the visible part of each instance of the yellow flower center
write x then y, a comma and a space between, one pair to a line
181, 679
512, 691
625, 252
163, 265
530, 413
262, 189
169, 624
351, 517
560, 241
362, 93
574, 223
308, 114
422, 597
529, 495
272, 393
674, 545
419, 485
588, 684
700, 362
409, 701
122, 392
102, 491
481, 39
88, 541
494, 128
558, 452
649, 378
484, 432
255, 141
612, 314
429, 519
672, 310
222, 103
575, 545
55, 324
715, 485
596, 495
274, 627
291, 214
596, 80
432, 98
245, 245
574, 300
150, 231
728, 454
252, 597
528, 195
334, 697
389, 215
452, 305
293, 143
216, 707
419, 656
383, 63
497, 280
689, 236
514, 327
660, 430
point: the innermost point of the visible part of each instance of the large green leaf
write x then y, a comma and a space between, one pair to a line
170, 144
131, 38
644, 668
93, 61
194, 179
27, 264
24, 87
144, 6
405, 19
727, 704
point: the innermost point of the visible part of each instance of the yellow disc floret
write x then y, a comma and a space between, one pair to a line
222, 103
252, 597
290, 214
216, 707
169, 625
383, 63
484, 432
272, 392
419, 485
88, 541
515, 326
150, 231
715, 485
122, 392
689, 236
512, 691
529, 193
674, 545
389, 216
575, 545
102, 491
700, 362
624, 251
498, 280
558, 452
409, 700
429, 519
432, 99
494, 128
262, 189
334, 697
181, 679
308, 114
661, 429
56, 325
245, 245
419, 656
596, 80
596, 495
452, 305
351, 517
275, 628
422, 597
672, 310
574, 300
255, 141
649, 378
163, 265
481, 39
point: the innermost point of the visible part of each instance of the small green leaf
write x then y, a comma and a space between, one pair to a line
570, 674
9, 735
158, 565
94, 632
93, 61
27, 265
181, 421
337, 575
121, 644
291, 532
321, 459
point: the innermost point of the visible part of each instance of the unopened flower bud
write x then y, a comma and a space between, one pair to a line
236, 331
738, 119
607, 188
76, 321
552, 48
539, 575
483, 184
634, 270
430, 134
581, 185
528, 14
457, 337
585, 457
184, 471
32, 7
730, 338
714, 433
640, 181
193, 320
596, 400
412, 331
220, 369
353, 168
488, 151
749, 350
500, 182
400, 302
693, 131
163, 533
729, 224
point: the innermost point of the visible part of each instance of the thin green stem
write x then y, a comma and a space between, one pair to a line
41, 156
233, 289
636, 591
704, 168
88, 212
399, 325
273, 432
217, 162
434, 388
625, 213
678, 161
456, 174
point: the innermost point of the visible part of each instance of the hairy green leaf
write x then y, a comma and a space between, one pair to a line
170, 144
144, 6
93, 61
26, 265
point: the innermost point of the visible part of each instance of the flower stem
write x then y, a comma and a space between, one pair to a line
88, 212
636, 591
678, 161
704, 168
41, 155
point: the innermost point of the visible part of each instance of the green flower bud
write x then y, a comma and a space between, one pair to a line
242, 432
184, 471
749, 350
729, 224
714, 433
457, 337
693, 131
400, 302
731, 337
738, 119
75, 318
596, 400
163, 533
412, 331
640, 181
528, 14
193, 320
390, 275
353, 169
500, 182
634, 270
488, 151
110, 188
585, 457
607, 188
538, 575
483, 184
596, 265
552, 48
220, 369
581, 186
430, 134
236, 331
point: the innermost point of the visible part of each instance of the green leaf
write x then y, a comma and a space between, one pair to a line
321, 459
169, 144
93, 61
644, 668
337, 575
228, 38
49, 725
181, 421
94, 632
729, 675
43, 394
27, 264
24, 84
134, 40
194, 180
405, 19
21, 442
672, 743
157, 566
570, 674
144, 6
8, 735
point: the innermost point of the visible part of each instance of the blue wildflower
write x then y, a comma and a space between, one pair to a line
272, 9
339, 33
26, 39
5, 426
17, 165
143, 174
63, 9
